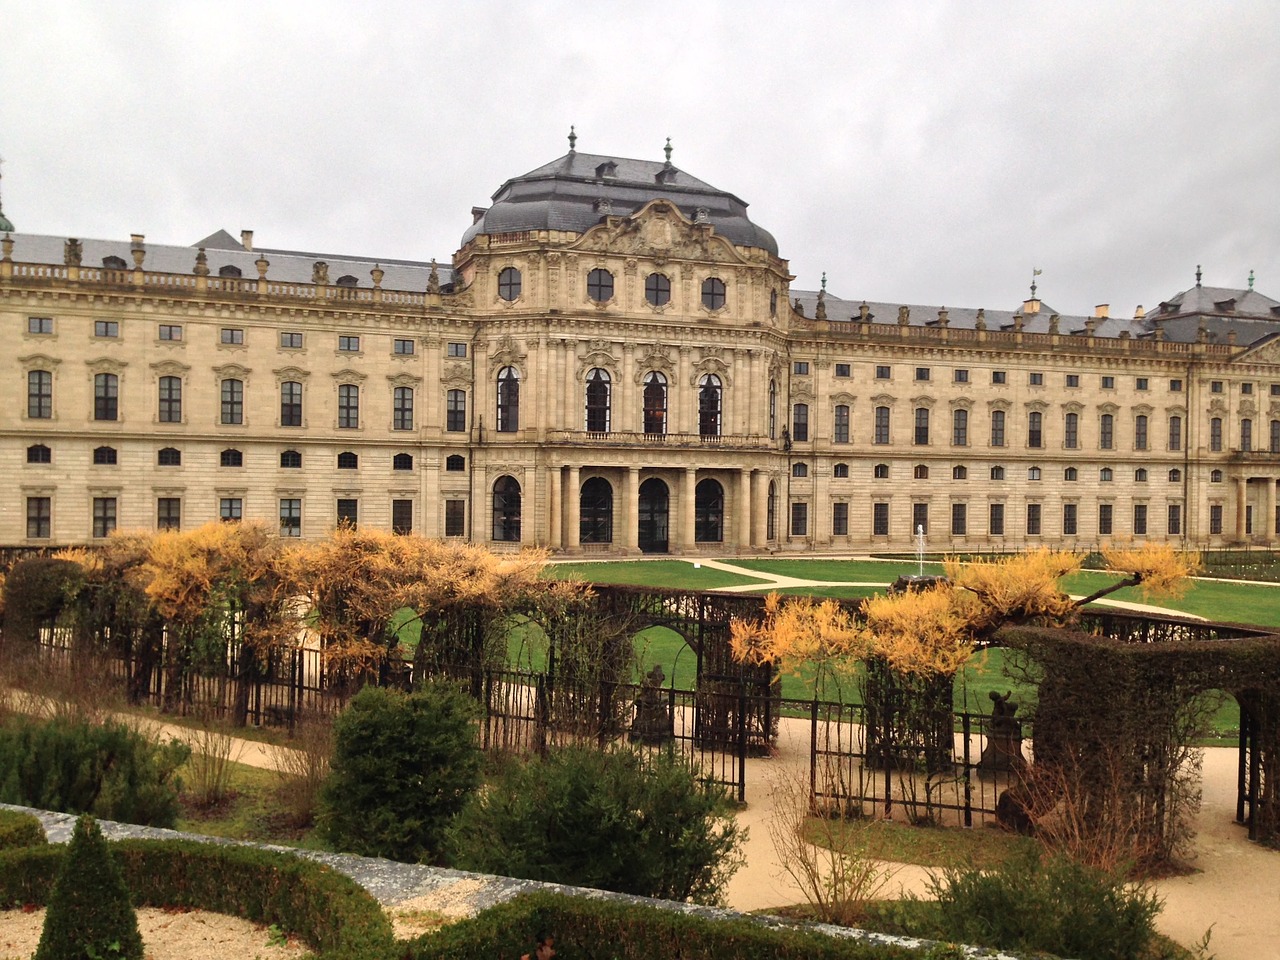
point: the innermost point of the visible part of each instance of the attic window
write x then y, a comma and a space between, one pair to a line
347, 280
229, 271
1275, 311
477, 213
1226, 306
1167, 307
607, 170
114, 263
666, 175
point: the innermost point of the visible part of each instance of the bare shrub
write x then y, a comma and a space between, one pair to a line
214, 748
58, 686
835, 872
303, 767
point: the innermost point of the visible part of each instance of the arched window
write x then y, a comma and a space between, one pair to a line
1215, 476
106, 396
1105, 475
960, 473
456, 411
1033, 473
39, 453
1215, 434
1175, 475
506, 509
1140, 475
1275, 436
960, 428
348, 406
655, 403
657, 289
1107, 431
708, 512
881, 429
709, 406
402, 408
1246, 436
39, 394
880, 471
997, 428
1071, 474
600, 285
170, 400
713, 293
1175, 433
347, 280
1071, 431
840, 471
290, 459
771, 513
104, 456
773, 410
230, 271
1035, 429
232, 401
509, 284
922, 427
348, 460
596, 512
290, 404
169, 457
1140, 432
799, 469
997, 473
508, 400
598, 401
921, 472
231, 457
455, 463
840, 424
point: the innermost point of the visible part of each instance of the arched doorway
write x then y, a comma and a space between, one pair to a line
708, 522
654, 499
596, 512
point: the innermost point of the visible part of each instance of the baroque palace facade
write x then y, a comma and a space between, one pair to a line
615, 362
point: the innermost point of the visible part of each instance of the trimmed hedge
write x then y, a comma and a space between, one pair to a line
330, 912
20, 830
624, 931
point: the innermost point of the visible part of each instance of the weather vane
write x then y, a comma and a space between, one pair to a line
573, 138
1035, 272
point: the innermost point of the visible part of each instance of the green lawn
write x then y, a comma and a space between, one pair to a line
847, 571
670, 574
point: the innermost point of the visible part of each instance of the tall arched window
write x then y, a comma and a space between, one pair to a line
290, 403
922, 426
880, 432
596, 512
232, 401
997, 428
708, 512
598, 401
655, 403
960, 428
1106, 431
508, 400
506, 510
771, 513
170, 400
840, 424
106, 396
773, 410
709, 406
1140, 432
1071, 431
1246, 435
1035, 429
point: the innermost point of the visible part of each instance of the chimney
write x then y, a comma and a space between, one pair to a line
246, 239
1031, 306
1101, 311
1138, 312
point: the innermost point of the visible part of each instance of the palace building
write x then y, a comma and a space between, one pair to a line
615, 363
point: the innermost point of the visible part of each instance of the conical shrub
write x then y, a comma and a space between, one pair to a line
89, 915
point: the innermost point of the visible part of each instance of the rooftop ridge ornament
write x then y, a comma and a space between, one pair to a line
573, 139
1197, 274
667, 151
824, 281
1035, 272
1250, 279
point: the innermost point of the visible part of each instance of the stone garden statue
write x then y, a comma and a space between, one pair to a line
652, 723
1003, 751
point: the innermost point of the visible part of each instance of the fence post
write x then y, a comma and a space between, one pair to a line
540, 716
742, 742
813, 753
968, 782
1255, 778
1242, 783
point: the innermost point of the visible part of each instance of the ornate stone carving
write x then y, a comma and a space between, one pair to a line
710, 365
72, 252
506, 355
290, 373
348, 376
659, 229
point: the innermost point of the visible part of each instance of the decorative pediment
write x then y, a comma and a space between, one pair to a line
170, 368
1274, 409
291, 373
1073, 407
233, 371
1143, 410
1247, 407
1217, 405
883, 400
962, 403
38, 361
801, 390
710, 365
1108, 408
1182, 411
844, 398
456, 373
506, 355
348, 375
1037, 406
656, 358
1004, 405
658, 231
403, 380
923, 401
1266, 352
106, 365
598, 358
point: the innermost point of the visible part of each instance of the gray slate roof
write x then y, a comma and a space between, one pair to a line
287, 266
565, 193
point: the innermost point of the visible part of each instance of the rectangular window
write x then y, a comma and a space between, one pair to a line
232, 335
1215, 518
106, 328
457, 350
919, 518
922, 427
995, 520
840, 426
1108, 383
997, 428
1069, 519
233, 401
1140, 432
1246, 389
799, 519
231, 509
960, 376
39, 394
1175, 386
879, 519
800, 367
843, 370
402, 408
959, 519
104, 516
1139, 519
1275, 390
106, 396
1036, 379
1105, 511
455, 518
290, 517
1246, 436
1215, 434
922, 373
41, 325
882, 373
1033, 519
456, 412
168, 513
403, 348
348, 511
1073, 380
1141, 383
1174, 524
291, 340
1035, 429
170, 410
169, 331
839, 519
1215, 386
349, 344
402, 516
999, 376
39, 518
800, 422
1175, 433
881, 434
291, 404
348, 406
1107, 431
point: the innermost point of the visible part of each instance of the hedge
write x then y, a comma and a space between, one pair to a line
20, 830
330, 912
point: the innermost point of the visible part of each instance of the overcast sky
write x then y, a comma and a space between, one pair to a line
930, 153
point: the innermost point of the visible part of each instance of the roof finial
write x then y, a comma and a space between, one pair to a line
1197, 274
824, 281
667, 151
1035, 272
1250, 279
573, 138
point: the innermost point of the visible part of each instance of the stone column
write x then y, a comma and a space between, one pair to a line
760, 513
1242, 499
572, 511
631, 510
1269, 519
554, 512
743, 504
687, 484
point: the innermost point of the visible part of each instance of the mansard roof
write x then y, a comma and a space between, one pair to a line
576, 191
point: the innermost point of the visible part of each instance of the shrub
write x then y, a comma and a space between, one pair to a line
20, 830
302, 769
615, 821
214, 748
89, 911
403, 766
1053, 904
72, 766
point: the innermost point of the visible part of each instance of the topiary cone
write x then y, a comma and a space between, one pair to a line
89, 915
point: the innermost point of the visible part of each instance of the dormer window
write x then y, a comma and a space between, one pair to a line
1226, 306
347, 280
114, 263
477, 213
607, 170
666, 175
229, 271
